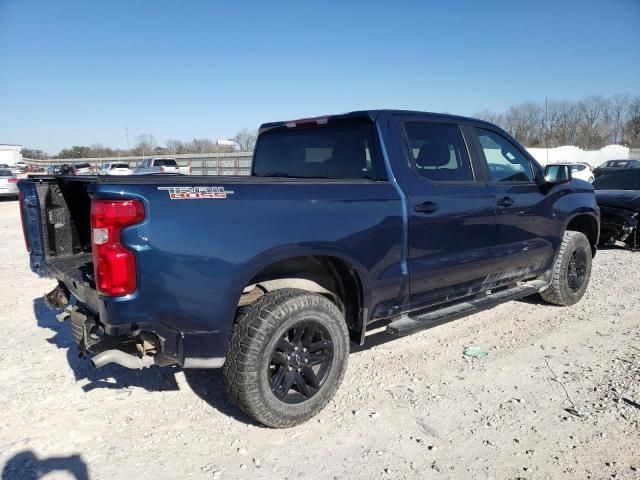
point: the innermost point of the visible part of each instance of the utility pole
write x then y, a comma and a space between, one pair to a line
126, 130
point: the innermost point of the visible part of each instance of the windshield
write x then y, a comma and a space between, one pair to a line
340, 152
165, 163
624, 180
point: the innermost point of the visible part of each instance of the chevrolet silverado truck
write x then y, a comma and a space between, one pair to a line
402, 218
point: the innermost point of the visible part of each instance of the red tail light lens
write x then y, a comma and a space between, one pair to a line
161, 169
13, 180
114, 264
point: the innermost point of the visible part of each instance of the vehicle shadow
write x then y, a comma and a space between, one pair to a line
206, 384
27, 466
109, 376
209, 386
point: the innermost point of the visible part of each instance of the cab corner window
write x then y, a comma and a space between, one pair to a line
505, 161
438, 152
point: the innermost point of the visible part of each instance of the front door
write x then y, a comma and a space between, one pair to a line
451, 213
526, 231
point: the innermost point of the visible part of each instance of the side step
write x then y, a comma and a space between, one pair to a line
411, 323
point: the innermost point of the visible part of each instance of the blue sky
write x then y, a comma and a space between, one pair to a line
80, 72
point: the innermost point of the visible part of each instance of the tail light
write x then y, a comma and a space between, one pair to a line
13, 180
114, 264
22, 220
161, 169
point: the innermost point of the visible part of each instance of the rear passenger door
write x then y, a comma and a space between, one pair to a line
525, 225
451, 212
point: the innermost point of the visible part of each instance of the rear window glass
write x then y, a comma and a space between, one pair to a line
165, 163
119, 165
81, 165
6, 173
339, 151
629, 180
438, 152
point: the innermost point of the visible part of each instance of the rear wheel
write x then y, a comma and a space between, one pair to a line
287, 357
571, 271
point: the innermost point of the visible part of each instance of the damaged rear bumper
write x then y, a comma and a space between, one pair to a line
135, 347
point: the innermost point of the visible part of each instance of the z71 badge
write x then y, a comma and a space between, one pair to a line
195, 193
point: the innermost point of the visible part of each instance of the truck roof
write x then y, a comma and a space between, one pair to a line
370, 115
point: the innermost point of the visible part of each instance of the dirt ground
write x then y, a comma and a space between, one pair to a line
409, 408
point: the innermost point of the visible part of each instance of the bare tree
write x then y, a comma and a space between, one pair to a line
592, 112
246, 139
145, 144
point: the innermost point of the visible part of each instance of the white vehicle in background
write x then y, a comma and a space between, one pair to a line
115, 168
8, 184
160, 165
80, 168
580, 170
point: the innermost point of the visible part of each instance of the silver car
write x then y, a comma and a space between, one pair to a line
8, 184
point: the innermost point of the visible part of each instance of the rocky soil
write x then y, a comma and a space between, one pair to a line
410, 408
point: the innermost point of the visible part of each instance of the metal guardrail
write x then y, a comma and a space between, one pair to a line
234, 163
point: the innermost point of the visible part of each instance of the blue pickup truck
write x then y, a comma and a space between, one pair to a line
406, 218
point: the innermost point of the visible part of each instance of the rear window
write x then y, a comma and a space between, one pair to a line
165, 163
6, 173
81, 165
624, 180
336, 151
119, 165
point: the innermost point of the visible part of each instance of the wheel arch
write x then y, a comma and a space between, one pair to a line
587, 224
333, 275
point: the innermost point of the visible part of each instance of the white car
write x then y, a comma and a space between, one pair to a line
580, 170
8, 184
115, 168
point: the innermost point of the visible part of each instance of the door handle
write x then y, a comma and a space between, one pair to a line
505, 202
426, 207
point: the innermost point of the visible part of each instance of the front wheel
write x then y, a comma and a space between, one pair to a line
571, 271
287, 357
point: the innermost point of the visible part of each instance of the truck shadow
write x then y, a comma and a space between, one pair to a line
27, 466
209, 386
206, 384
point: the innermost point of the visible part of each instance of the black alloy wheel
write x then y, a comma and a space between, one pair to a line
300, 362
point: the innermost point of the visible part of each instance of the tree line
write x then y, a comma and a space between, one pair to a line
590, 123
147, 145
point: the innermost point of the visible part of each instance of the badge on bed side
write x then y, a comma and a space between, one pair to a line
196, 193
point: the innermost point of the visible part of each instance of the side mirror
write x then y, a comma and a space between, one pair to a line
557, 174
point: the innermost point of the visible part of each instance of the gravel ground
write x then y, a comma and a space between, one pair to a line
409, 408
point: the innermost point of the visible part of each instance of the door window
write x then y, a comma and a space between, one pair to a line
505, 161
438, 152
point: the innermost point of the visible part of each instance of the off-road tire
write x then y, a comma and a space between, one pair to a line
558, 292
254, 334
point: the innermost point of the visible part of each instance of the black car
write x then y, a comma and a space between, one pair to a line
618, 195
616, 165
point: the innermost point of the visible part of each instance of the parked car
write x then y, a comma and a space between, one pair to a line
614, 165
8, 184
21, 167
80, 169
160, 165
618, 195
347, 220
115, 168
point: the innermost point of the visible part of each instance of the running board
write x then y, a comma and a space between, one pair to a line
411, 323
